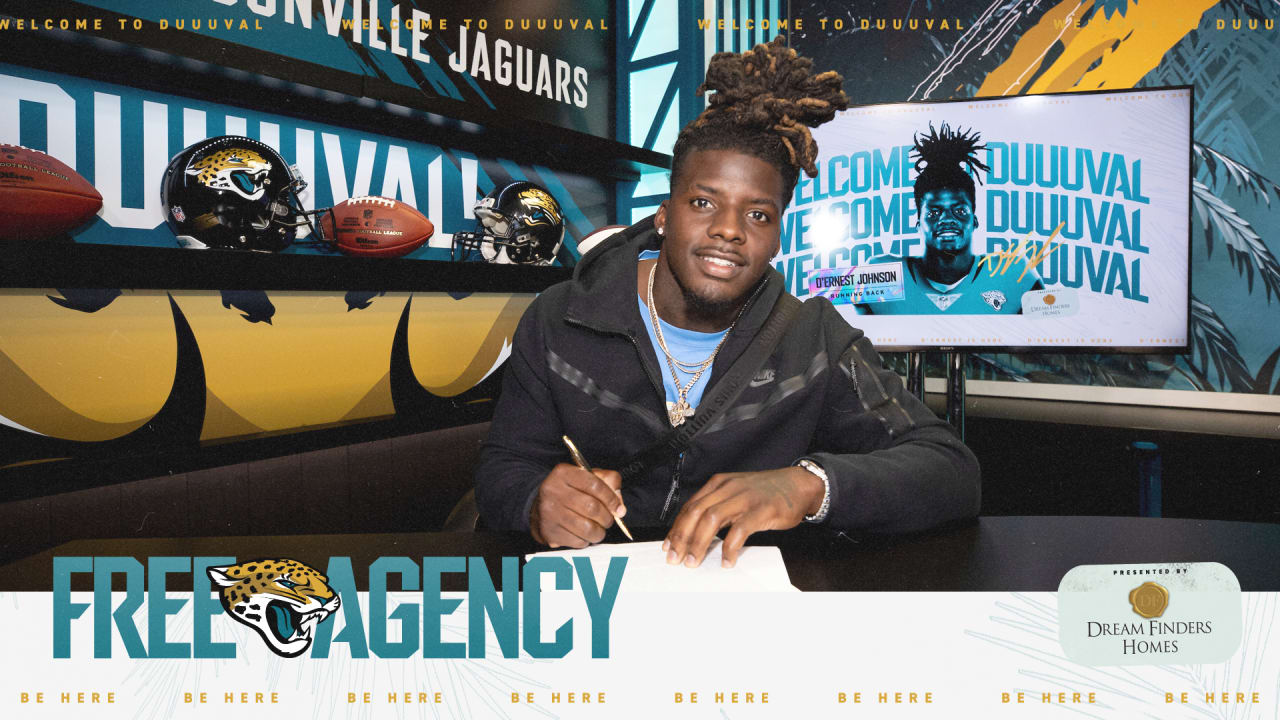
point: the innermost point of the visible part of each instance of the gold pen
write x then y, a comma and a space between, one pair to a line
582, 463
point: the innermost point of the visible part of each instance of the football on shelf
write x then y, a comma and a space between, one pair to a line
373, 226
40, 196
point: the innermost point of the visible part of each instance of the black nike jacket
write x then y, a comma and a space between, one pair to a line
582, 365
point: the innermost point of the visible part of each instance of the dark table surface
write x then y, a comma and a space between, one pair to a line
991, 553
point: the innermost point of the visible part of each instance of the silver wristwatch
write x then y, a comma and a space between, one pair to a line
816, 469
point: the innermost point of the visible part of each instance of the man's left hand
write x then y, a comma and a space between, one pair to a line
745, 502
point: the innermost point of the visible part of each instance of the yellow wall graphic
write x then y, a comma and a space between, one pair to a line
1126, 46
310, 366
85, 376
453, 344
95, 376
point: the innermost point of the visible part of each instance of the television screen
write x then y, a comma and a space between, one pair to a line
1036, 221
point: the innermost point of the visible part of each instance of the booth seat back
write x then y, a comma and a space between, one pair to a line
401, 484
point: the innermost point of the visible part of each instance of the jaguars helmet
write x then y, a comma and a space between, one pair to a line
234, 193
520, 224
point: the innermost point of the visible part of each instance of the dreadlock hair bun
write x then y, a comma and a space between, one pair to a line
763, 103
947, 158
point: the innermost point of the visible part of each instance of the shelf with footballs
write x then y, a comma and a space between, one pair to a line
233, 206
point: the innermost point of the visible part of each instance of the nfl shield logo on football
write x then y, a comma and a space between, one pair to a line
178, 214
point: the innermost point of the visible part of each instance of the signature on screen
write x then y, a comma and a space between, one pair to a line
1000, 261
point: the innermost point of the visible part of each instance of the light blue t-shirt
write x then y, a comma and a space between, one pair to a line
688, 345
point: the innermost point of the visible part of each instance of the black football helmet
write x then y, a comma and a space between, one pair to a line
520, 223
234, 193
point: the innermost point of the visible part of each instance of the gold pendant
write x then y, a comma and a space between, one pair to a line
678, 411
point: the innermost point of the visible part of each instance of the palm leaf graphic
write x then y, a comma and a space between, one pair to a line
1237, 92
1245, 248
1256, 9
1263, 381
1164, 366
987, 367
1145, 371
1215, 345
1244, 177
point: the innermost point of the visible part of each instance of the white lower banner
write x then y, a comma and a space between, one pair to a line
726, 655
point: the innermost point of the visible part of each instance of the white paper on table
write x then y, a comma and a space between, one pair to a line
759, 568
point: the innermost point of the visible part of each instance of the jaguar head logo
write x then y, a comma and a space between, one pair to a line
994, 298
239, 170
543, 209
282, 600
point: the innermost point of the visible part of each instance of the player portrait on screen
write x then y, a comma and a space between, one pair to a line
950, 278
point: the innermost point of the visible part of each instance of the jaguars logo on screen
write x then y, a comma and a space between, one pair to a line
239, 170
543, 209
282, 600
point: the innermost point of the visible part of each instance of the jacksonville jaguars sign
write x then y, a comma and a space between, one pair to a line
291, 606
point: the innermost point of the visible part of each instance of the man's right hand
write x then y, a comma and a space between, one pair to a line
575, 507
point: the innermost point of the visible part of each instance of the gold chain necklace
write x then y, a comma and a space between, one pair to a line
680, 409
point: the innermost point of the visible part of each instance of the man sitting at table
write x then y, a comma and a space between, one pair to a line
619, 357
